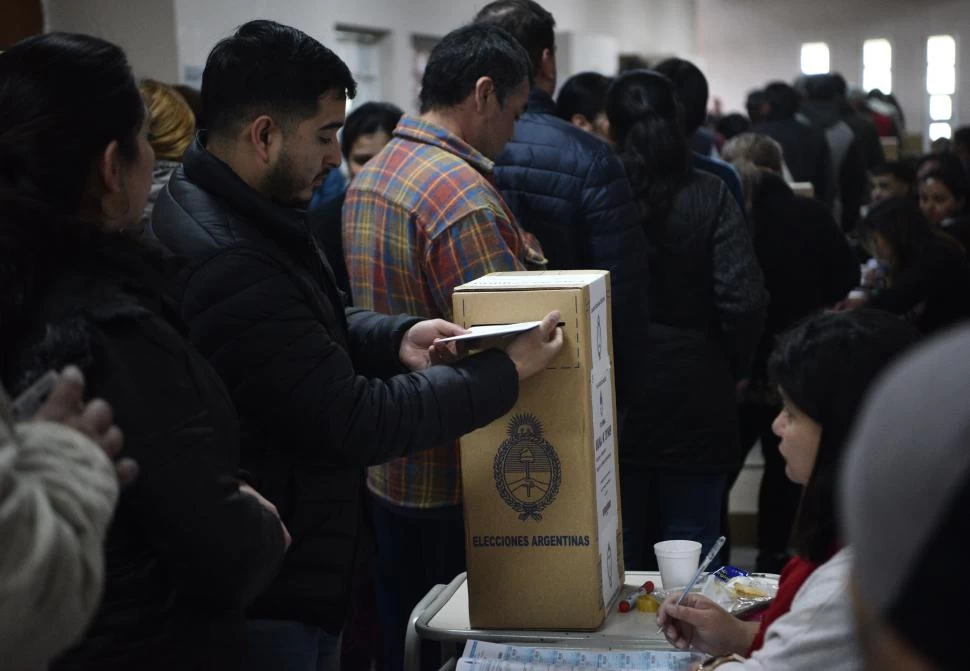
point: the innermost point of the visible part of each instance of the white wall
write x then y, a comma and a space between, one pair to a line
145, 29
743, 44
635, 25
170, 39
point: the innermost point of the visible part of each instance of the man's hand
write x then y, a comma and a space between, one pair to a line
246, 489
532, 351
418, 349
65, 405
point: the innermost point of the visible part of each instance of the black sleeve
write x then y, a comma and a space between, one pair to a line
375, 341
286, 372
223, 547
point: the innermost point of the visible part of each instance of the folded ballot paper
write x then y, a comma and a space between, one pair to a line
481, 656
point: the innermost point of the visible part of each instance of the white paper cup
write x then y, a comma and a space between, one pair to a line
678, 561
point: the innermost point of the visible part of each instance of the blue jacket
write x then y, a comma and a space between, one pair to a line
568, 188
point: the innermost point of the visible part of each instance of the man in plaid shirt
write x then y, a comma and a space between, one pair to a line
422, 218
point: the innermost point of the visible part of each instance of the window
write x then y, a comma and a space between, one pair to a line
877, 65
941, 77
815, 58
360, 49
421, 46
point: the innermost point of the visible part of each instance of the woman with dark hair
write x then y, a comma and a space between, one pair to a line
706, 303
929, 275
944, 198
823, 369
190, 545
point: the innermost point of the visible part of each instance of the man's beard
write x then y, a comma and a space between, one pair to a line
283, 185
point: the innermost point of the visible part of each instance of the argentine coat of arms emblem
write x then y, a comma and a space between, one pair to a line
527, 469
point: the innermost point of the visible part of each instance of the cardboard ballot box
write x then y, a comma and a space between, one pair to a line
542, 506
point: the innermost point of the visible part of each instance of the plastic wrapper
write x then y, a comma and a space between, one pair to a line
737, 591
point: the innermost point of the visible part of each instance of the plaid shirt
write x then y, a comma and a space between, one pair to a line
422, 218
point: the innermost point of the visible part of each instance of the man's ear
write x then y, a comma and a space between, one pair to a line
582, 122
547, 65
484, 89
264, 134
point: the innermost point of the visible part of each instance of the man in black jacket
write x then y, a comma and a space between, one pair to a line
568, 188
805, 148
261, 304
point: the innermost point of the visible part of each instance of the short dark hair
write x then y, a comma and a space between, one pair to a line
961, 136
366, 119
467, 54
903, 171
531, 25
952, 175
841, 86
825, 367
268, 68
584, 94
782, 98
823, 87
732, 125
691, 86
753, 103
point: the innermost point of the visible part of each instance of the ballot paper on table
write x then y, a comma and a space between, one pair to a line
493, 331
482, 656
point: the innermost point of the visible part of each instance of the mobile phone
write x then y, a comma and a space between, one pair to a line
28, 403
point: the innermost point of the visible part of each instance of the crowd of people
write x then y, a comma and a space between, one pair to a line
248, 456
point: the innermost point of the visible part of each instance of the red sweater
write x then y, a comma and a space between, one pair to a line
793, 576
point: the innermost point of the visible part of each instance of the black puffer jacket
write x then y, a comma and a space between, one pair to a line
568, 188
261, 304
186, 552
707, 305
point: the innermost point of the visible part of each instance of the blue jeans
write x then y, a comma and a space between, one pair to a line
416, 550
663, 505
282, 645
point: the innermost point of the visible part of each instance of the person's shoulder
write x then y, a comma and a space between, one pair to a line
190, 221
705, 182
828, 578
559, 138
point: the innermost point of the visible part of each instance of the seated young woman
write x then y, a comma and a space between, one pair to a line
929, 275
822, 369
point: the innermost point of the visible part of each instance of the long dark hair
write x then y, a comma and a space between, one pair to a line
901, 224
63, 99
824, 366
646, 122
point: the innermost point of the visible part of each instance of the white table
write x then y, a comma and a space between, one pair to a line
443, 616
